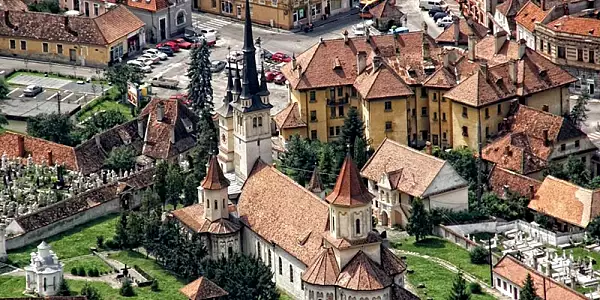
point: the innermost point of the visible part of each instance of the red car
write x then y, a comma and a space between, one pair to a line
183, 43
279, 79
280, 57
183, 98
271, 75
173, 45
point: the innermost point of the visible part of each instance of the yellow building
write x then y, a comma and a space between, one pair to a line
427, 94
76, 40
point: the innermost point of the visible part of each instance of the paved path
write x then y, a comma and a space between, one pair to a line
449, 266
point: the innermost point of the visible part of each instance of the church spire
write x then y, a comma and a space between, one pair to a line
250, 85
229, 95
237, 86
264, 91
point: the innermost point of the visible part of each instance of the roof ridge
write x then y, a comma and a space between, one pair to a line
550, 177
411, 149
291, 181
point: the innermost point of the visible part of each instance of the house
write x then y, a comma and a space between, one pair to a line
163, 19
534, 138
526, 19
482, 11
501, 181
386, 14
203, 289
44, 274
398, 174
504, 17
96, 42
164, 130
571, 207
88, 8
509, 274
458, 33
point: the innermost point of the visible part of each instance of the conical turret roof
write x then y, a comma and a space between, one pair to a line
215, 179
349, 190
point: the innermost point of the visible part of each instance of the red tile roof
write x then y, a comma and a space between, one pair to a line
465, 28
386, 8
149, 5
566, 201
500, 177
214, 179
392, 264
117, 23
283, 212
442, 78
483, 88
516, 272
576, 25
38, 148
363, 274
529, 14
315, 184
202, 289
349, 190
13, 5
193, 217
381, 82
323, 270
289, 117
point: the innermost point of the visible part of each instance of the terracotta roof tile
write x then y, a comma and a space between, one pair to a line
117, 23
392, 264
13, 5
385, 8
349, 188
38, 148
202, 289
441, 78
363, 274
193, 217
516, 272
289, 117
315, 184
343, 243
399, 293
465, 28
534, 122
283, 212
566, 201
576, 25
382, 82
484, 87
149, 5
529, 14
499, 178
214, 179
323, 270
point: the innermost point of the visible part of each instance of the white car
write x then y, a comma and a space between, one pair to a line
358, 29
138, 64
443, 22
155, 59
157, 52
145, 61
235, 56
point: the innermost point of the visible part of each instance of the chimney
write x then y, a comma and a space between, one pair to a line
456, 25
367, 34
484, 69
376, 62
293, 61
535, 262
543, 4
471, 47
141, 128
446, 59
531, 191
21, 145
522, 46
299, 71
545, 137
425, 47
49, 158
505, 191
507, 151
512, 71
428, 147
424, 26
361, 61
172, 137
160, 112
499, 39
548, 268
345, 33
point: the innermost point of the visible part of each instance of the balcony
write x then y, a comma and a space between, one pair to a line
337, 101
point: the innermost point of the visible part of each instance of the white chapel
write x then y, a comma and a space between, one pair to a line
45, 273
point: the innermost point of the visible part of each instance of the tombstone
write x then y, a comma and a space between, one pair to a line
126, 174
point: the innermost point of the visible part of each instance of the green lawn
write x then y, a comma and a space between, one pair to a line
581, 252
88, 263
107, 105
440, 248
437, 280
284, 296
71, 243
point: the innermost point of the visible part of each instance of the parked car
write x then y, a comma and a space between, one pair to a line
358, 29
217, 66
155, 59
32, 90
210, 38
157, 52
398, 30
172, 44
183, 44
429, 4
138, 64
146, 61
205, 31
266, 54
271, 74
164, 82
442, 22
439, 15
279, 79
435, 10
280, 57
166, 50
235, 55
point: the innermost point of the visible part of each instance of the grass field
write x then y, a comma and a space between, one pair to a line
107, 105
437, 280
71, 243
445, 250
88, 263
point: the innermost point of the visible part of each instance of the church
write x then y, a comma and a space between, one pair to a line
318, 246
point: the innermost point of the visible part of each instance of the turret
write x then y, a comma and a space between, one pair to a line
214, 192
315, 185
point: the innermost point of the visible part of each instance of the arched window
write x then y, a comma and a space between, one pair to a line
216, 205
280, 267
258, 254
44, 284
207, 203
180, 18
229, 251
291, 273
259, 121
223, 203
54, 283
254, 122
357, 226
333, 223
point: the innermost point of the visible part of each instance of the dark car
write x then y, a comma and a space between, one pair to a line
217, 66
166, 50
434, 10
439, 16
266, 54
191, 38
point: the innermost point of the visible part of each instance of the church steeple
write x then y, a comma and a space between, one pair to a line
237, 85
250, 85
229, 95
264, 91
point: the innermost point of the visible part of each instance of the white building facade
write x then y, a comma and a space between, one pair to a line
45, 273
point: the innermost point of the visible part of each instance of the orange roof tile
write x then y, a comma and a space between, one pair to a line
392, 264
289, 117
323, 270
465, 28
566, 201
38, 148
385, 8
283, 212
202, 289
513, 270
150, 5
441, 78
499, 178
315, 184
193, 217
576, 25
117, 23
349, 189
13, 5
483, 88
382, 82
529, 14
363, 274
343, 243
214, 179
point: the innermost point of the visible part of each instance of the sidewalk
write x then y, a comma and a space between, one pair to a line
41, 66
318, 23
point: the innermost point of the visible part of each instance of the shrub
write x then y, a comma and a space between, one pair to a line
154, 287
90, 272
475, 288
74, 271
100, 241
111, 244
479, 255
81, 271
126, 289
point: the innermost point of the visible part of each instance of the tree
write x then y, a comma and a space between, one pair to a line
479, 255
174, 182
100, 241
4, 89
206, 146
574, 170
126, 289
160, 180
528, 290
328, 165
44, 6
463, 161
243, 277
190, 190
360, 152
150, 202
459, 289
593, 228
53, 127
90, 292
419, 223
512, 207
299, 159
63, 288
353, 127
578, 114
121, 231
122, 74
100, 122
120, 158
200, 90
135, 230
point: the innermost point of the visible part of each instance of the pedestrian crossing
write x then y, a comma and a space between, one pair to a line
212, 23
594, 136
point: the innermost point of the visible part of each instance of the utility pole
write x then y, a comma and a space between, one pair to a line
58, 101
479, 159
490, 261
